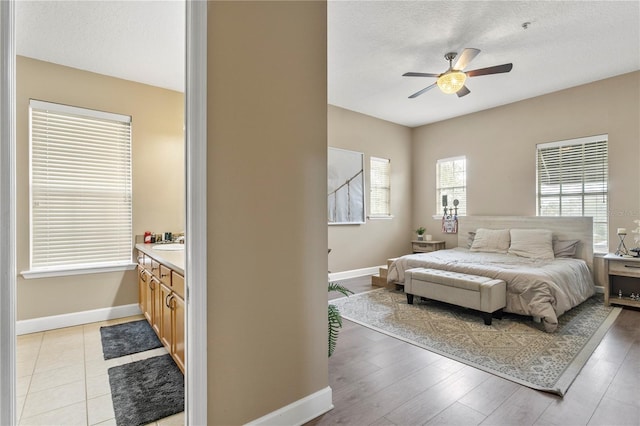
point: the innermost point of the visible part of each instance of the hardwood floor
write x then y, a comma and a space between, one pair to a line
379, 380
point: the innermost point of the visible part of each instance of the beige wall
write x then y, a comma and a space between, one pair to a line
158, 177
371, 243
500, 146
266, 187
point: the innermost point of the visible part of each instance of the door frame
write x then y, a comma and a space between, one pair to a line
7, 214
196, 218
196, 213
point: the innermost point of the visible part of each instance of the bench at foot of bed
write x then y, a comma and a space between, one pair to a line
486, 295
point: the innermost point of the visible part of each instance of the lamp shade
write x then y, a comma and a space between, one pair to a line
452, 81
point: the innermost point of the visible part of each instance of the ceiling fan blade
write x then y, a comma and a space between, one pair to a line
466, 57
497, 69
463, 92
422, 91
420, 74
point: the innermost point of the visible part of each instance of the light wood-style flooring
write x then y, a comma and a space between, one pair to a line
379, 380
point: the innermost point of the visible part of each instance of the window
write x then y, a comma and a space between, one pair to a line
572, 180
380, 199
451, 180
80, 188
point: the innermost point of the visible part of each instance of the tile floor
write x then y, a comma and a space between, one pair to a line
62, 377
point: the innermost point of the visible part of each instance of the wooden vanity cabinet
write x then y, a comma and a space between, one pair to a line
143, 290
166, 336
179, 315
173, 317
178, 320
153, 298
161, 297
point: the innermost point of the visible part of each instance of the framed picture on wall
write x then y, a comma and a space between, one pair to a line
345, 189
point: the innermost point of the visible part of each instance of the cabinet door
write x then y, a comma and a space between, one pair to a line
143, 285
165, 316
178, 347
154, 285
150, 298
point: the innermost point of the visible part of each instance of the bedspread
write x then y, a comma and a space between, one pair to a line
540, 288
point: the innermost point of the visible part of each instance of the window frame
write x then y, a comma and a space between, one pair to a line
73, 183
599, 247
373, 187
439, 189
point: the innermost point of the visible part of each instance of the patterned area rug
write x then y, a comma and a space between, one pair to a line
515, 348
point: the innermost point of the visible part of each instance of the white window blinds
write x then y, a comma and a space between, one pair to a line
380, 192
572, 180
80, 187
451, 180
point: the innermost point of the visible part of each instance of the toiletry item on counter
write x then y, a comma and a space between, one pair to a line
147, 237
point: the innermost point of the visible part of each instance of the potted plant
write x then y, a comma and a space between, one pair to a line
335, 319
420, 231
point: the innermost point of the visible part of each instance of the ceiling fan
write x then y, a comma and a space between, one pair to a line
453, 79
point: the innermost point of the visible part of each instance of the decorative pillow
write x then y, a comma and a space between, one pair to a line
470, 237
491, 240
565, 248
532, 243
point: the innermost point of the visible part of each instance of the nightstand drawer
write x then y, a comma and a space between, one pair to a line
425, 246
625, 268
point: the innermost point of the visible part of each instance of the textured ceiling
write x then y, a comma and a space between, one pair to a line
569, 43
141, 41
370, 45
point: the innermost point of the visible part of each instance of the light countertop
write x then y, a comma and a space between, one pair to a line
171, 259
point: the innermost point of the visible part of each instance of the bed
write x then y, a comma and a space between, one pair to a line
539, 284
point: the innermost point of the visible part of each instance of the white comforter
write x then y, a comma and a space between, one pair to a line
540, 288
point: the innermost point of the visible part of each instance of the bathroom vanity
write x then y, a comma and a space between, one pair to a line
161, 295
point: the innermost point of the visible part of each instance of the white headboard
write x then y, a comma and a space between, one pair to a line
563, 228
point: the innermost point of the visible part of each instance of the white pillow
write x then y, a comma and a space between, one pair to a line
491, 240
532, 243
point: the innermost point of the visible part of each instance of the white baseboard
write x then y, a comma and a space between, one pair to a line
353, 273
67, 320
300, 411
599, 289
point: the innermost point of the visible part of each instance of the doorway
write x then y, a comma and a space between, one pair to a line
195, 267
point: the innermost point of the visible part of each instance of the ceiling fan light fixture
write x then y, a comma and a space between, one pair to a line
451, 81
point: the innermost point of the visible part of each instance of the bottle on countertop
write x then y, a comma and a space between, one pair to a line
147, 237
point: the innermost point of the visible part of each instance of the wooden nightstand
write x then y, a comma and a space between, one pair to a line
623, 273
424, 246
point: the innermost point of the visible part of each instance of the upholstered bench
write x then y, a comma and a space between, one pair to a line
486, 295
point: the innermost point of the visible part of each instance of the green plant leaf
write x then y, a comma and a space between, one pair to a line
335, 319
339, 288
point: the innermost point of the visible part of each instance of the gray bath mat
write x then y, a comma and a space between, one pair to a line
128, 338
146, 391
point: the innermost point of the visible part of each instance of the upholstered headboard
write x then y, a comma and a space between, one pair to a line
563, 228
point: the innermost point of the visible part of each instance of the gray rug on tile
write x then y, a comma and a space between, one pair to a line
128, 338
515, 348
147, 390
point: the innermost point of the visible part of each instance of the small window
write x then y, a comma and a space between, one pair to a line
380, 194
81, 205
451, 184
572, 180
